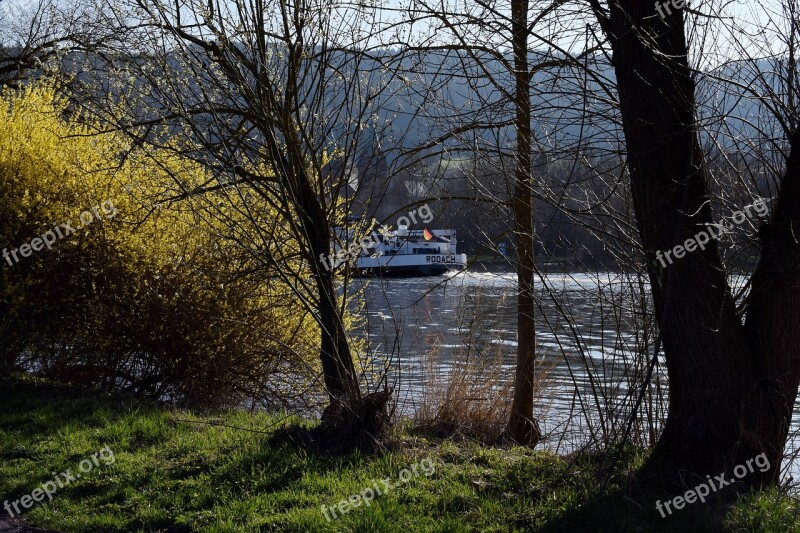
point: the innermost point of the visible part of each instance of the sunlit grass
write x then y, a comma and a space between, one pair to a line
173, 468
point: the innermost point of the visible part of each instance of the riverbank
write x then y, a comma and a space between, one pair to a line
176, 471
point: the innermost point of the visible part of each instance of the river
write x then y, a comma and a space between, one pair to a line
594, 345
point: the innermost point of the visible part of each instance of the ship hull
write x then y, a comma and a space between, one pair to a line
410, 265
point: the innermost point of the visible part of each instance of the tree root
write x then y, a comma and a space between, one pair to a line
362, 426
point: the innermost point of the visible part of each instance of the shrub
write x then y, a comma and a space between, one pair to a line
149, 300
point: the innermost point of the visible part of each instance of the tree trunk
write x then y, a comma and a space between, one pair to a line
725, 379
771, 326
341, 380
337, 361
522, 428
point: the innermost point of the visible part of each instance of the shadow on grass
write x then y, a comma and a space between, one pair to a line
36, 410
634, 509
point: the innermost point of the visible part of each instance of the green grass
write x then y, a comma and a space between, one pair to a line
174, 468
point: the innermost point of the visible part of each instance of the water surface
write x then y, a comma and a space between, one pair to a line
594, 343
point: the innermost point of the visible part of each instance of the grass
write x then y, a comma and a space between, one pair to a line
178, 471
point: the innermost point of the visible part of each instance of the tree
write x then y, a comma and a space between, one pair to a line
481, 32
265, 95
733, 377
521, 426
35, 36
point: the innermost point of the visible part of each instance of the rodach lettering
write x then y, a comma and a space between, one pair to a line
447, 259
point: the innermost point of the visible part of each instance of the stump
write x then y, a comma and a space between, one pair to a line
362, 426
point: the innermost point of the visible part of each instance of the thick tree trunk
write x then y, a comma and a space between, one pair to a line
337, 361
338, 369
726, 381
771, 325
341, 379
522, 428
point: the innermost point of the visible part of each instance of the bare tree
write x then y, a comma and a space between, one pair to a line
35, 37
276, 99
733, 373
493, 42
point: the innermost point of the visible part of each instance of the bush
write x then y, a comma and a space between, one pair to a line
147, 297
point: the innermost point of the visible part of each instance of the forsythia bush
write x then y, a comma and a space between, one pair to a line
145, 296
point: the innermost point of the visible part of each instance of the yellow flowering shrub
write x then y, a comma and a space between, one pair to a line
147, 296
